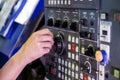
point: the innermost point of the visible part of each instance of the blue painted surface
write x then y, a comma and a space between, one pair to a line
8, 45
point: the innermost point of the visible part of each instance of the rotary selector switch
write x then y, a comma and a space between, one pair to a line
59, 44
87, 67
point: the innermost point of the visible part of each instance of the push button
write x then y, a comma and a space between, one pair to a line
73, 48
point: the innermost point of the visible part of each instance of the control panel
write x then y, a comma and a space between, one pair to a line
86, 40
75, 25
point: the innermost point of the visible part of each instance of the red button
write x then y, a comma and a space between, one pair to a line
52, 70
85, 77
73, 47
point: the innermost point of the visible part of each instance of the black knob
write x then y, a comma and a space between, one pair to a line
90, 51
58, 23
65, 24
59, 44
73, 26
50, 22
84, 22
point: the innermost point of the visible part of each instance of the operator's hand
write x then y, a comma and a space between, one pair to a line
38, 44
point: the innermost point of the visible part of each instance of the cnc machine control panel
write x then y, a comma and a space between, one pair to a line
83, 34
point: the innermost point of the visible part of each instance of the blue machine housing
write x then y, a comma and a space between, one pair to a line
18, 34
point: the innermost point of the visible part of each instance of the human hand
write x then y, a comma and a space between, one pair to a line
38, 44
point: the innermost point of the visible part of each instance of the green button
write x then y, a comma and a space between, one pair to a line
47, 68
116, 73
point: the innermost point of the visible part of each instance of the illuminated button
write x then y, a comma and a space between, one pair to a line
73, 56
51, 1
69, 78
73, 74
62, 2
59, 60
85, 77
77, 58
77, 40
83, 50
73, 48
69, 2
59, 67
81, 75
69, 55
69, 38
58, 2
76, 76
93, 78
69, 46
77, 49
69, 65
65, 2
55, 2
73, 66
69, 72
62, 69
73, 39
66, 63
89, 78
59, 75
77, 68
63, 77
62, 62
66, 70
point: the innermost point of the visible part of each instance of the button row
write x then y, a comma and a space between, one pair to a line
73, 39
73, 56
59, 2
68, 64
73, 47
68, 74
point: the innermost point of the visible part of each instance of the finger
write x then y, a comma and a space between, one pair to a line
46, 50
46, 45
44, 32
46, 38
